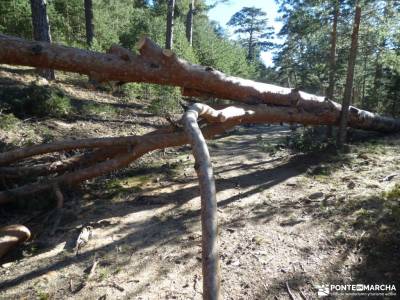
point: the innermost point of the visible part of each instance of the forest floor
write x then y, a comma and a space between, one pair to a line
286, 219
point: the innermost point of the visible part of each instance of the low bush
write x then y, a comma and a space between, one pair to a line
35, 101
99, 110
307, 139
8, 121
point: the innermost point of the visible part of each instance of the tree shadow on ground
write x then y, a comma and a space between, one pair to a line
174, 221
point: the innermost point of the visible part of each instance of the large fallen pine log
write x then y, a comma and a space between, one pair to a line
160, 66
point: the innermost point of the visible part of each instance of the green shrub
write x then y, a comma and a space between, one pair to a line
133, 91
99, 110
8, 121
34, 100
306, 140
165, 100
393, 193
45, 101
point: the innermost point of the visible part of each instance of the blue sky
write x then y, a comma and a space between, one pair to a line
223, 12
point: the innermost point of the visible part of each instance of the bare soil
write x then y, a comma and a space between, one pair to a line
285, 219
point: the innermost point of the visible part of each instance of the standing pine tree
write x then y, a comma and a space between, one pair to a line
189, 23
169, 35
253, 24
41, 30
341, 138
332, 58
89, 22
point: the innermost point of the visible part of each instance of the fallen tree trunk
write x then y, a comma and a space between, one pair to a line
130, 148
161, 66
119, 160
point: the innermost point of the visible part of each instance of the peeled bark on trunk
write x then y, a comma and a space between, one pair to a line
89, 22
344, 116
189, 23
155, 65
169, 35
41, 30
209, 225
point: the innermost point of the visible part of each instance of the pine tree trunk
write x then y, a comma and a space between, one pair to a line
169, 36
250, 49
89, 22
363, 104
41, 30
341, 138
377, 78
394, 104
189, 23
332, 63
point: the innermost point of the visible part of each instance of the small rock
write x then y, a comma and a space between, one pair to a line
305, 200
389, 177
236, 263
351, 185
317, 170
362, 155
41, 82
291, 183
7, 265
257, 239
316, 195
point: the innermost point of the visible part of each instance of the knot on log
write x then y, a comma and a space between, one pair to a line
154, 66
37, 49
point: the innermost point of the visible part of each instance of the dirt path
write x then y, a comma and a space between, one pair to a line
276, 225
285, 219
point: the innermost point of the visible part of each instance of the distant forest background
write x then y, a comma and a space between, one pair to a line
306, 59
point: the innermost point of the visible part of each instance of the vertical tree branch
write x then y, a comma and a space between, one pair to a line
210, 259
